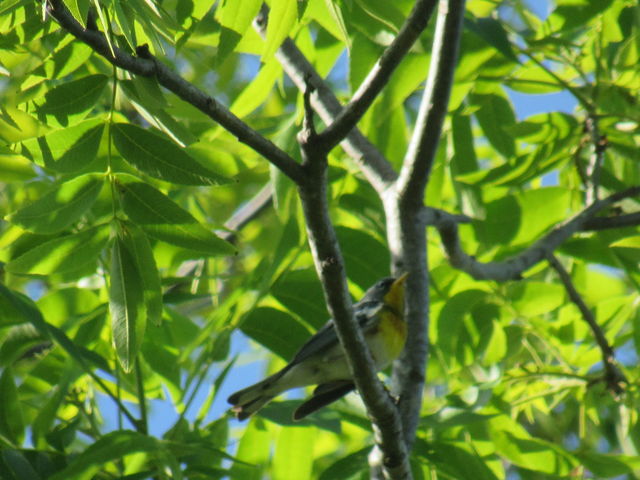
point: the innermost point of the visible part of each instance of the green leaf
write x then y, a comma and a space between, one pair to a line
260, 88
69, 149
140, 249
535, 220
73, 98
163, 219
16, 125
452, 417
531, 298
61, 206
125, 18
9, 5
570, 14
494, 115
63, 254
282, 19
17, 464
534, 454
11, 420
607, 466
235, 18
79, 9
279, 331
367, 269
348, 467
254, 450
497, 346
451, 318
159, 157
111, 447
293, 458
492, 31
362, 57
455, 460
14, 167
300, 292
628, 242
126, 305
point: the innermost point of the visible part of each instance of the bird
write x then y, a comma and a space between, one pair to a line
321, 360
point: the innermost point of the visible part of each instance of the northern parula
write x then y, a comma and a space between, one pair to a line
321, 361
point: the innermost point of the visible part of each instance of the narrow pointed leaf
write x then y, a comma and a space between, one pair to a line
60, 207
11, 420
126, 305
111, 447
160, 158
163, 219
63, 254
69, 149
74, 97
138, 245
282, 19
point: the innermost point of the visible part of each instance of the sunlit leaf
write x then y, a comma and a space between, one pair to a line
279, 331
157, 156
63, 254
74, 98
282, 19
60, 207
126, 304
163, 219
111, 447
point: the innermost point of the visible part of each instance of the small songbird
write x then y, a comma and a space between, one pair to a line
321, 361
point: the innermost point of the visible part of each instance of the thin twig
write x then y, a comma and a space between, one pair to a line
371, 161
512, 268
584, 101
379, 75
613, 377
147, 66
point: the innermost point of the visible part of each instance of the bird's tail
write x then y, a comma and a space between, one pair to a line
249, 400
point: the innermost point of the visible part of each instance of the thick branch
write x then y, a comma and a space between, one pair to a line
405, 212
379, 75
330, 267
372, 163
147, 66
613, 377
514, 267
435, 100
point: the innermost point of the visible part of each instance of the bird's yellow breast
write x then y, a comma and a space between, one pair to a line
393, 332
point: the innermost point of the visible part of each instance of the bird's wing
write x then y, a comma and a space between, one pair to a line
326, 338
323, 395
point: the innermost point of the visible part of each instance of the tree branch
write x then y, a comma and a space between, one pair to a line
379, 75
435, 100
405, 212
613, 377
513, 268
147, 66
596, 160
605, 223
373, 164
330, 267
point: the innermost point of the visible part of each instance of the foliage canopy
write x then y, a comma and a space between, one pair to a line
140, 236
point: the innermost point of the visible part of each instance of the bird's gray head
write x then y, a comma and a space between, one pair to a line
378, 290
